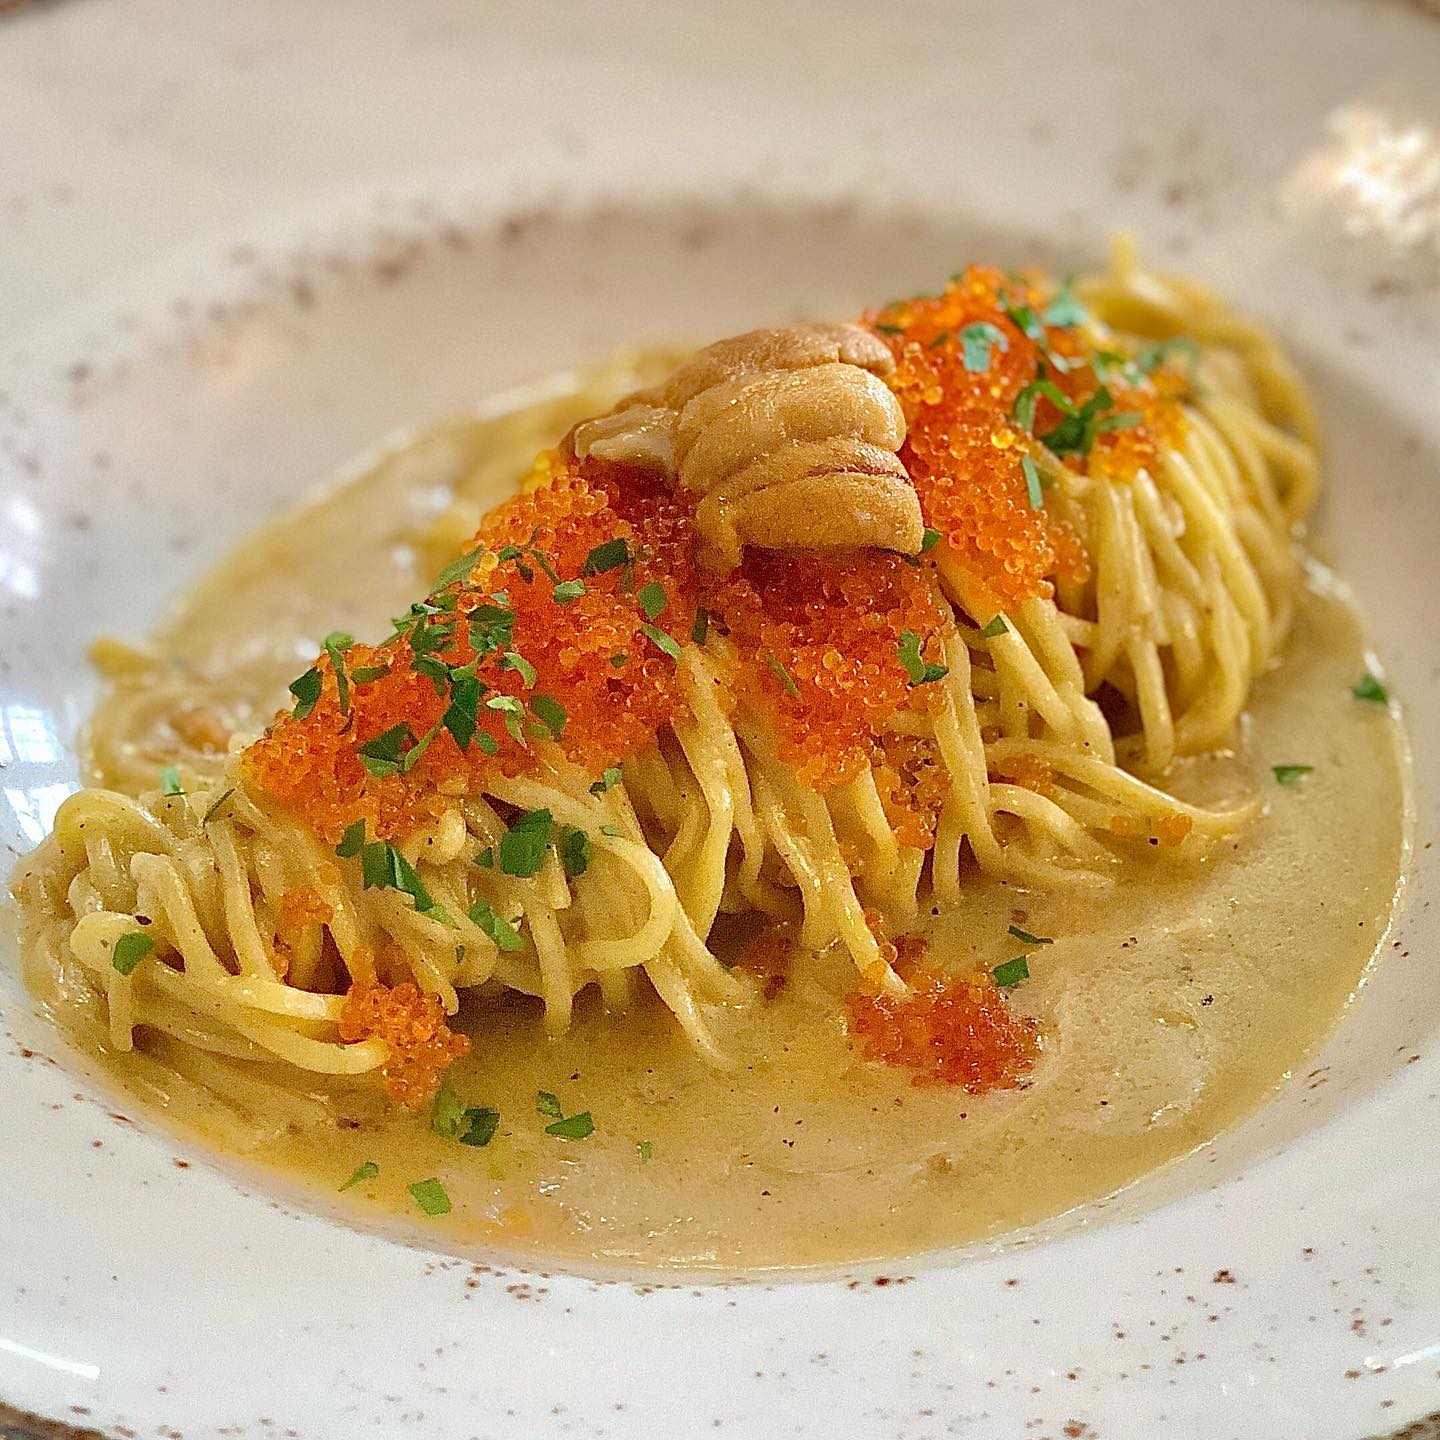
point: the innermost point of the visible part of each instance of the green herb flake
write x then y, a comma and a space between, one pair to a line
430, 1196
613, 831
929, 540
506, 937
513, 660
447, 1114
130, 949
652, 599
462, 715
700, 630
458, 569
481, 1123
368, 1171
568, 590
575, 852
1150, 357
645, 1149
619, 660
908, 649
548, 1103
890, 329
1367, 687
1289, 774
335, 644
522, 847
783, 676
383, 867
486, 858
1034, 491
351, 841
609, 778
1030, 396
661, 641
366, 674
550, 713
306, 690
995, 628
170, 780
978, 341
573, 1127
609, 556
383, 754
1065, 309
1012, 972
1026, 938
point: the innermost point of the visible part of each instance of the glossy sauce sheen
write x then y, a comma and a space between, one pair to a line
1171, 1005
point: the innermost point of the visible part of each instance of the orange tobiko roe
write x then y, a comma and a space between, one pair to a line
964, 447
950, 1031
413, 1025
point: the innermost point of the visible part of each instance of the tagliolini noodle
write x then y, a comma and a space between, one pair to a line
597, 735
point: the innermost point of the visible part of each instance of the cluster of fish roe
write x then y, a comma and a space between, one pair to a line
412, 1024
948, 1031
978, 370
563, 622
819, 639
913, 784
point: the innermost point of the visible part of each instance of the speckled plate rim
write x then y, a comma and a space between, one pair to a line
161, 142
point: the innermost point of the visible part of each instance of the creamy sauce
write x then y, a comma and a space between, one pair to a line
1171, 1005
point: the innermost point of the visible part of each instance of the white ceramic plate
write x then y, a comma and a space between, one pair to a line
242, 243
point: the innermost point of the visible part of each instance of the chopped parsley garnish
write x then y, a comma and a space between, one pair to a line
573, 1127
511, 711
170, 780
1026, 938
568, 1127
929, 539
995, 628
1026, 322
575, 852
619, 659
609, 556
513, 660
613, 831
661, 641
1029, 397
368, 1171
481, 1125
567, 590
522, 847
306, 690
1034, 491
130, 949
462, 715
485, 859
783, 676
458, 569
365, 674
608, 778
1149, 357
1369, 688
652, 599
217, 804
383, 755
700, 630
335, 644
383, 867
351, 841
1078, 430
919, 671
1012, 972
473, 1125
890, 329
645, 1149
1065, 309
977, 342
938, 341
497, 927
1289, 774
492, 627
550, 713
430, 1196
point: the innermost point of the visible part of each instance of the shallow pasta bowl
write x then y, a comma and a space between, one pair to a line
244, 247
